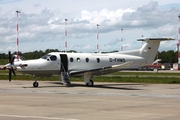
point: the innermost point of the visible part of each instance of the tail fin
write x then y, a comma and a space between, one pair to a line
149, 50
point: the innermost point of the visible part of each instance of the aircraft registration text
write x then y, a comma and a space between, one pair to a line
116, 59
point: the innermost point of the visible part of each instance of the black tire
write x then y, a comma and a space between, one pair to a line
90, 83
35, 84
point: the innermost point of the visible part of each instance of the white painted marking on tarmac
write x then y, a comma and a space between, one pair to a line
35, 117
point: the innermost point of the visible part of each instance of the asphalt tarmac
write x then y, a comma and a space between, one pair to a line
105, 101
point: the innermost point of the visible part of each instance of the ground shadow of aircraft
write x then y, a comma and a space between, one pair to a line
117, 86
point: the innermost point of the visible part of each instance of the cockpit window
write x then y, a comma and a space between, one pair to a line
45, 56
49, 57
53, 58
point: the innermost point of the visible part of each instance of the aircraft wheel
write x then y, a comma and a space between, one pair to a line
35, 84
90, 83
68, 84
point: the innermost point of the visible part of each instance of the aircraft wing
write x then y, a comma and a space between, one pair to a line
104, 70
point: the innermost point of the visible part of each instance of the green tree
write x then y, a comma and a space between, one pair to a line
168, 57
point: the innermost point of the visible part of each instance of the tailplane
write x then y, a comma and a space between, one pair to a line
149, 50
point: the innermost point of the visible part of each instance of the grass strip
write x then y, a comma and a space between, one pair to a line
157, 80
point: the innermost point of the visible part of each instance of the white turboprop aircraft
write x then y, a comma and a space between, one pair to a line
86, 64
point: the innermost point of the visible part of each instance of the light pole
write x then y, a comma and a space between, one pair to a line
17, 34
178, 38
65, 44
97, 47
121, 39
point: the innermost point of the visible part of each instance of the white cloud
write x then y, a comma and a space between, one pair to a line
104, 16
113, 42
167, 30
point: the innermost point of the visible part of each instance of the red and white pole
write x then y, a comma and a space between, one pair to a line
178, 39
121, 39
97, 47
17, 38
65, 33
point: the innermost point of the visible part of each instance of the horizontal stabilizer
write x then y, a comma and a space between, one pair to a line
160, 39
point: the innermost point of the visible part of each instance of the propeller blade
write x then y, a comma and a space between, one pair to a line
11, 63
9, 56
10, 72
12, 60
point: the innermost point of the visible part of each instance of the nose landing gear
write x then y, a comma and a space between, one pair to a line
35, 84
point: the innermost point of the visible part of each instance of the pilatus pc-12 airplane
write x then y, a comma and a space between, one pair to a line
86, 64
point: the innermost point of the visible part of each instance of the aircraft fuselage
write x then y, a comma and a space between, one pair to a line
51, 63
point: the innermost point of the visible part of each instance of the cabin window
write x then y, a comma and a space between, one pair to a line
71, 59
78, 59
98, 60
53, 58
87, 59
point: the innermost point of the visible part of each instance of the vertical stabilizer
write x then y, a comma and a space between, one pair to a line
149, 50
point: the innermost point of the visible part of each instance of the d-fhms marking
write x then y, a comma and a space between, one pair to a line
117, 60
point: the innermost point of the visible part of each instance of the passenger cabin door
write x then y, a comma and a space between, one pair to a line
64, 62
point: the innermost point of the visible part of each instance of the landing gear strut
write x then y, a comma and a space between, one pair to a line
35, 84
87, 80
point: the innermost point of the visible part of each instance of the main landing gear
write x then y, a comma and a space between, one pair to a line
90, 83
87, 80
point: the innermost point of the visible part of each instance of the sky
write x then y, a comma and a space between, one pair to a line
41, 24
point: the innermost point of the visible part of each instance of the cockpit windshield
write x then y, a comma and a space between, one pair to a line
45, 56
49, 57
